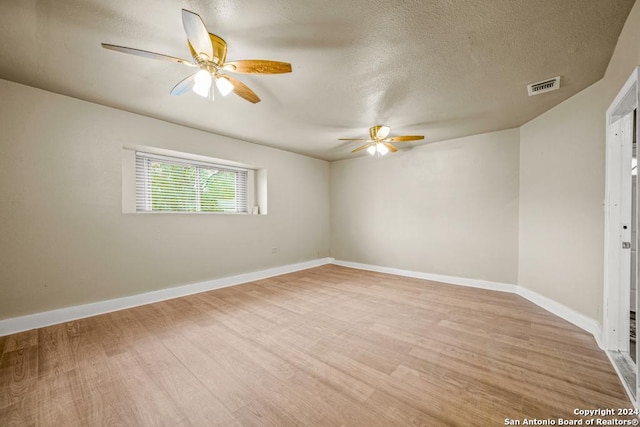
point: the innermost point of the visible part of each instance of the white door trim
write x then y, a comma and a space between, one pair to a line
626, 100
619, 126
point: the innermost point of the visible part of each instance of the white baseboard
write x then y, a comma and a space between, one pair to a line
580, 320
570, 315
452, 280
48, 318
38, 320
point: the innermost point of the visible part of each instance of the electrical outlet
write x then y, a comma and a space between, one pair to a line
274, 250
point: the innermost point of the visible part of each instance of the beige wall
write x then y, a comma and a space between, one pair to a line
446, 208
562, 165
65, 241
561, 202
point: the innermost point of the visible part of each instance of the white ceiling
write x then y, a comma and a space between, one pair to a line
442, 68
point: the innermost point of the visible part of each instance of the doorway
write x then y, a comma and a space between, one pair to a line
621, 236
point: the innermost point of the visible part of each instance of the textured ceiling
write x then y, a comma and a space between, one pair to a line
442, 68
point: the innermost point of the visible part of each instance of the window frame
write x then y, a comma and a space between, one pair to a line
143, 206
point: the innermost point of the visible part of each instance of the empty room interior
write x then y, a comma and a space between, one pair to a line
336, 213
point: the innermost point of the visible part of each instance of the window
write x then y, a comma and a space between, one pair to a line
172, 184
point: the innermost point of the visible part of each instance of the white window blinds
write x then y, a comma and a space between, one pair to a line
171, 184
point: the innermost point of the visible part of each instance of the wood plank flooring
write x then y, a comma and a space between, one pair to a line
329, 346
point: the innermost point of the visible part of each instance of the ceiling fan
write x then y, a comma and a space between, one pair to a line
380, 142
209, 53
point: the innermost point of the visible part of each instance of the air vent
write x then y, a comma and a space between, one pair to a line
544, 86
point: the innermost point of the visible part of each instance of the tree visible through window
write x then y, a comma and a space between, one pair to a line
165, 184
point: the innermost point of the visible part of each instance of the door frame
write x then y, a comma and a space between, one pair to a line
616, 297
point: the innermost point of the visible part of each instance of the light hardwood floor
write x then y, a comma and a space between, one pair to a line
327, 346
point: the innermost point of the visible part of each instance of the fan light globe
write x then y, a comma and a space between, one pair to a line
382, 150
383, 132
202, 83
224, 85
371, 150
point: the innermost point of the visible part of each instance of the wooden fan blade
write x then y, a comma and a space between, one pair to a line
391, 147
354, 139
147, 54
258, 66
197, 33
184, 86
379, 132
243, 90
361, 148
404, 138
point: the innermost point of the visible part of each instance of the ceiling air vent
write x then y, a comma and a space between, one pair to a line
544, 86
